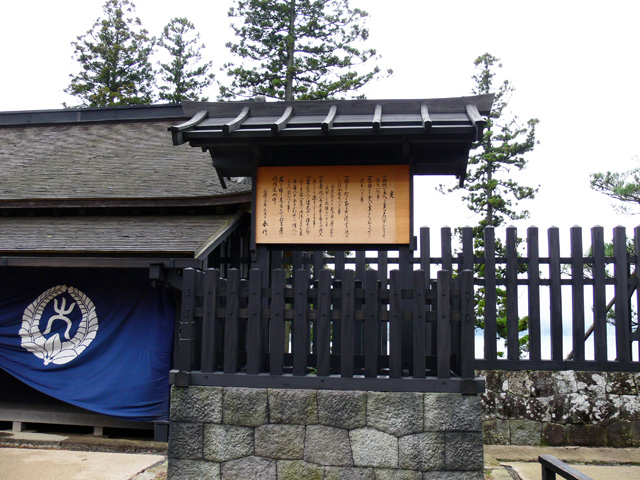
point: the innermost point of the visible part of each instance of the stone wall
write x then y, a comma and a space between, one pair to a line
245, 433
561, 408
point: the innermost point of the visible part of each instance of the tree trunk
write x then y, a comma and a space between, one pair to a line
288, 86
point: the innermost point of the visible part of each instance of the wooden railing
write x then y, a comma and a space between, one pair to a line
568, 287
325, 332
552, 466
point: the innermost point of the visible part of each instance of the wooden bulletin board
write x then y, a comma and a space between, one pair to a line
352, 204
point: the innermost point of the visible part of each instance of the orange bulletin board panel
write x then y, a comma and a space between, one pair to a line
352, 204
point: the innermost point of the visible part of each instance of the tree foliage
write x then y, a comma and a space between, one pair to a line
621, 186
298, 49
490, 190
184, 76
114, 60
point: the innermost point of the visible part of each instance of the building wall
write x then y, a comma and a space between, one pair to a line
561, 408
225, 432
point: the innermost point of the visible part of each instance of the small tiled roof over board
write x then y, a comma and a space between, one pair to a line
432, 135
108, 181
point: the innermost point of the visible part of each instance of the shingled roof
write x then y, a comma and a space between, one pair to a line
112, 156
188, 236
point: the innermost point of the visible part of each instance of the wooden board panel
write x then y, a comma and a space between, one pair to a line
346, 204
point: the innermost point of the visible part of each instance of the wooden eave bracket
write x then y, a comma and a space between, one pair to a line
233, 125
377, 118
281, 123
177, 130
327, 123
425, 118
478, 120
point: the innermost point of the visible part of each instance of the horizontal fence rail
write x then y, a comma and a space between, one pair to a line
323, 328
568, 288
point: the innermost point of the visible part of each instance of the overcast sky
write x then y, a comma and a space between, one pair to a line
575, 66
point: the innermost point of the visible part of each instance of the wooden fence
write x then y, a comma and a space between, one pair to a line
325, 332
582, 290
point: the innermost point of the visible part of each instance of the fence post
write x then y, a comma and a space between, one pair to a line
324, 323
300, 330
490, 295
555, 293
210, 321
577, 293
231, 329
255, 360
276, 322
419, 324
187, 330
533, 280
371, 324
513, 337
621, 274
395, 324
467, 334
444, 324
348, 337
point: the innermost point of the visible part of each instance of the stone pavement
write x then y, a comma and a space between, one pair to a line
521, 463
26, 456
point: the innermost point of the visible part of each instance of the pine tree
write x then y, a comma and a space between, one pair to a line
114, 60
489, 189
298, 49
184, 76
621, 186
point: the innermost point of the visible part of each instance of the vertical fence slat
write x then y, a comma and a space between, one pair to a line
339, 266
254, 323
382, 283
513, 344
300, 330
599, 295
324, 323
490, 297
621, 274
348, 324
533, 278
425, 265
444, 324
339, 263
577, 293
231, 328
467, 334
187, 329
555, 293
419, 327
636, 237
467, 248
209, 320
361, 265
276, 323
445, 242
318, 263
371, 324
405, 257
395, 327
297, 260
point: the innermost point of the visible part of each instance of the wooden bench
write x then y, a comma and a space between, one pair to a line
21, 414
